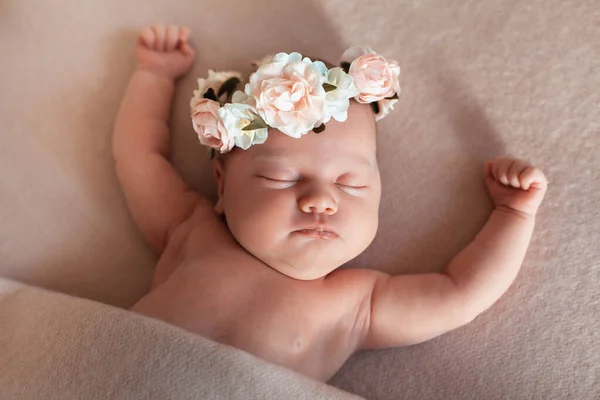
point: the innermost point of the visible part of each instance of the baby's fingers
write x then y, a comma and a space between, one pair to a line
518, 167
503, 168
160, 30
533, 177
147, 37
172, 38
184, 34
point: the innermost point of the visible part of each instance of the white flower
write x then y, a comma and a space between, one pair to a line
235, 117
214, 81
243, 98
354, 52
264, 60
289, 93
337, 101
385, 106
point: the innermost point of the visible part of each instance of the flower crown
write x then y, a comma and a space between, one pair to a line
292, 94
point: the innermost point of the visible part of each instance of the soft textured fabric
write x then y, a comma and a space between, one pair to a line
478, 78
60, 347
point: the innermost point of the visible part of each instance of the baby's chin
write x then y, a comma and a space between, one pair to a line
301, 272
303, 257
303, 267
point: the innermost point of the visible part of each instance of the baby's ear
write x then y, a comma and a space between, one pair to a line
219, 172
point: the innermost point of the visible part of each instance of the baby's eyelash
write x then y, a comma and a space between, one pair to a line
277, 183
351, 189
351, 186
277, 180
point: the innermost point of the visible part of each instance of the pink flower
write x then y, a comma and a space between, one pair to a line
374, 77
209, 127
289, 93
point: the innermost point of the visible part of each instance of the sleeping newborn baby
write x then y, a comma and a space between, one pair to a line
298, 186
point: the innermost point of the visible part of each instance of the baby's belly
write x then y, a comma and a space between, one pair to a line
281, 326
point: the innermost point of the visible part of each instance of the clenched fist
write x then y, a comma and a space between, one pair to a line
165, 50
515, 184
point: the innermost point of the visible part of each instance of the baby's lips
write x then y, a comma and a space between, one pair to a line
317, 233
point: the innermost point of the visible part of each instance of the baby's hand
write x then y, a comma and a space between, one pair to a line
165, 50
515, 185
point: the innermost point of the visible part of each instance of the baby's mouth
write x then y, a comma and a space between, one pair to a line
317, 233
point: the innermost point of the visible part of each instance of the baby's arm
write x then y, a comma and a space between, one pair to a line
408, 309
157, 197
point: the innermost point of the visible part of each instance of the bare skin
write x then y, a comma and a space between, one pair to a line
268, 280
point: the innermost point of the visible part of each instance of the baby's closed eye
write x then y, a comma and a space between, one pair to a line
352, 190
278, 181
351, 185
348, 183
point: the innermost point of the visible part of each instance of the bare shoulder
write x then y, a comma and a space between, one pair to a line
403, 309
354, 289
200, 233
359, 279
354, 284
203, 228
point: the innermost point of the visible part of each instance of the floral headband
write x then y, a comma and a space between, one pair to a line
292, 94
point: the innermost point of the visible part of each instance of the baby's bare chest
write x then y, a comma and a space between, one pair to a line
309, 326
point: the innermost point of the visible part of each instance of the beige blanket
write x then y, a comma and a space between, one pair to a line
479, 78
59, 347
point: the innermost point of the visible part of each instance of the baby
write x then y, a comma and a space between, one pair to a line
259, 270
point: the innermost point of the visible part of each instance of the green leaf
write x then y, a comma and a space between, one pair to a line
394, 97
345, 66
375, 107
258, 123
210, 94
228, 86
329, 87
319, 129
213, 154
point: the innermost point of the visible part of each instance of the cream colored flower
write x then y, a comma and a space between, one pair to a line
214, 81
289, 93
236, 117
264, 60
385, 106
337, 100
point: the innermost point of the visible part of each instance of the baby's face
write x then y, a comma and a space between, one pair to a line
305, 206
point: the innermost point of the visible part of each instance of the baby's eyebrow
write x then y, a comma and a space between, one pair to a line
358, 160
270, 157
362, 161
352, 159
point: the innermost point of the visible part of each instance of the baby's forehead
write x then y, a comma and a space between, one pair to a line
314, 158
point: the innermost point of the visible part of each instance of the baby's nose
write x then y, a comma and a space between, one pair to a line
319, 202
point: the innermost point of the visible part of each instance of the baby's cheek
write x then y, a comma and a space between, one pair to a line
258, 222
364, 225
